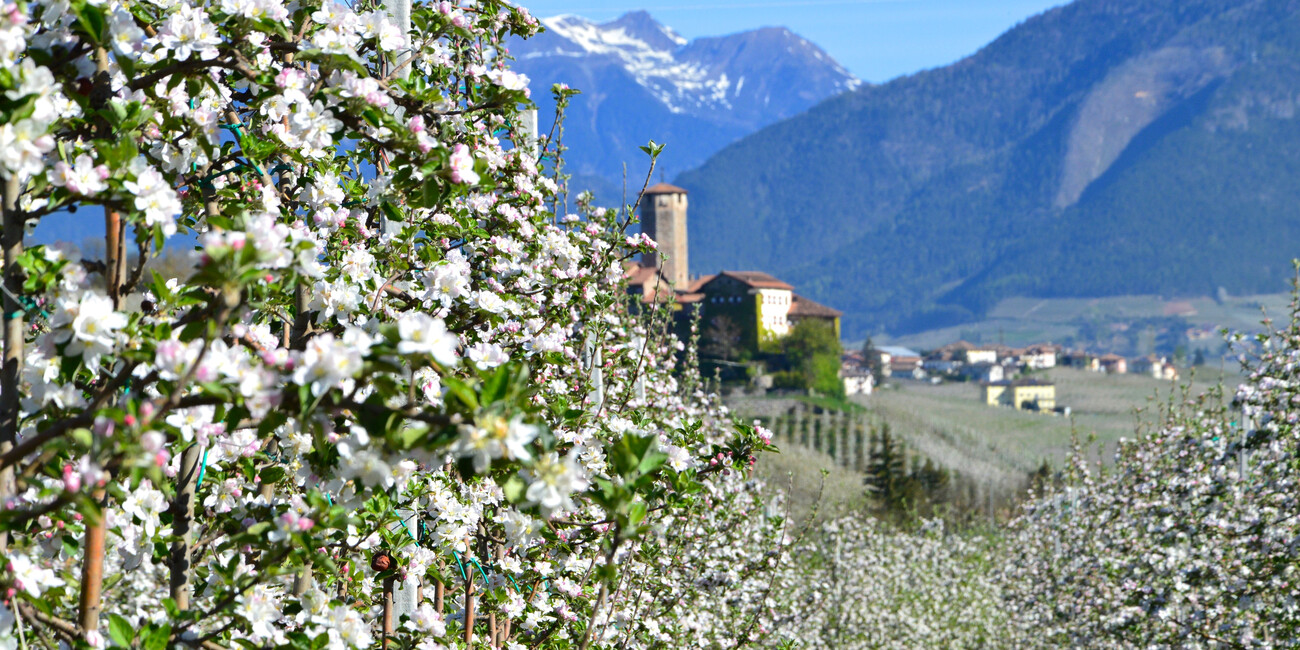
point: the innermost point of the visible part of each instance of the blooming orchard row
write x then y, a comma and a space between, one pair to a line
392, 368
1191, 539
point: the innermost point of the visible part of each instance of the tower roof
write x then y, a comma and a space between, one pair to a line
664, 188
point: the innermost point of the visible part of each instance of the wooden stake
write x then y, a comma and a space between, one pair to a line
92, 571
389, 582
469, 608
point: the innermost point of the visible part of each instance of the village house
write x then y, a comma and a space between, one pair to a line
1081, 360
858, 381
967, 352
900, 362
1040, 356
1154, 366
1113, 364
1023, 394
984, 372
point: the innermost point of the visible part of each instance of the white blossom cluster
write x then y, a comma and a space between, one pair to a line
856, 582
1190, 540
389, 364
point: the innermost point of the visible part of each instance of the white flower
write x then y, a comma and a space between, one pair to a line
489, 301
89, 326
347, 626
325, 363
430, 385
462, 166
23, 146
521, 529
508, 79
494, 437
553, 482
369, 468
421, 333
30, 577
187, 32
127, 37
146, 504
153, 196
487, 355
82, 177
261, 609
427, 620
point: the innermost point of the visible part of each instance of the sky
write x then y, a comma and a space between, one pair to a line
877, 40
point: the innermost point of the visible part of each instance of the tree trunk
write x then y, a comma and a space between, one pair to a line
12, 240
182, 509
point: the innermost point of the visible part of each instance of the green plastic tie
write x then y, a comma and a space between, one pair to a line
202, 469
480, 569
460, 565
403, 523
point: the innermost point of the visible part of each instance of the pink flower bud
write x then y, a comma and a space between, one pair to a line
71, 479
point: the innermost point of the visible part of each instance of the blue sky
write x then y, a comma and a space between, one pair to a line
876, 40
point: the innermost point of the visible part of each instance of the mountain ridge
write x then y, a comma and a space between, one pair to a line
640, 80
920, 202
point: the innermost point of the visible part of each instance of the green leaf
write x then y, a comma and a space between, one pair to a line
157, 638
91, 19
636, 513
461, 390
120, 630
651, 462
272, 474
495, 388
514, 489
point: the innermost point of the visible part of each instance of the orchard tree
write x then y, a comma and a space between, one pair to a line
396, 400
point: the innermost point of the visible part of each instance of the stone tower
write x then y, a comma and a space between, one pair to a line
663, 218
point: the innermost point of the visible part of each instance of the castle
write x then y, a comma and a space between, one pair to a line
761, 306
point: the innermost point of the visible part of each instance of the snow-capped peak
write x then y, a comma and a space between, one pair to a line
702, 76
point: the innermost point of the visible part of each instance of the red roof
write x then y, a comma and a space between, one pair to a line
639, 275
694, 286
664, 188
805, 308
757, 279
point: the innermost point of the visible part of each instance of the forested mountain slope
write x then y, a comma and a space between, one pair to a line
1105, 147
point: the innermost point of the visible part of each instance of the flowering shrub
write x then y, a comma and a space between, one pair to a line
393, 375
1190, 540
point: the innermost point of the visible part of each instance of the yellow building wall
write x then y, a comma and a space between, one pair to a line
1045, 396
1017, 396
994, 395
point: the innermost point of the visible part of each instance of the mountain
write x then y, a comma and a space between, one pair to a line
1106, 147
641, 81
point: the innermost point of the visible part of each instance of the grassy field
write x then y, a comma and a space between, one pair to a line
949, 423
995, 448
799, 470
1021, 321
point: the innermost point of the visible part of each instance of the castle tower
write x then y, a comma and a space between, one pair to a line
663, 219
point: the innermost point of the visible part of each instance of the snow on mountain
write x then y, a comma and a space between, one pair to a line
641, 80
700, 77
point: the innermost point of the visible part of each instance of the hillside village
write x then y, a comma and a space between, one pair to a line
747, 316
1004, 374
